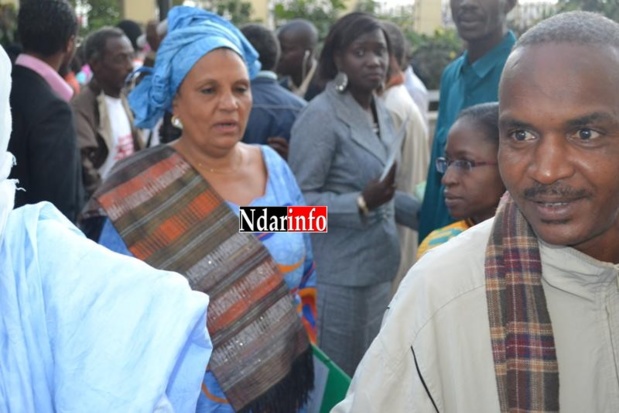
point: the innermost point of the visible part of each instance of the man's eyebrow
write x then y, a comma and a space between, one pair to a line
511, 123
590, 118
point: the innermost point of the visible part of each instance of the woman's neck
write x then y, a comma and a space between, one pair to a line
363, 98
229, 161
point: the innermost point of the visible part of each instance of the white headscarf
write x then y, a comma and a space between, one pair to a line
7, 186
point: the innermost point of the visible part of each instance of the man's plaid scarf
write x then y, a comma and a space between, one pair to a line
171, 218
523, 348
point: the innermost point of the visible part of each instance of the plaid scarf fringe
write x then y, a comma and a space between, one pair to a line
523, 347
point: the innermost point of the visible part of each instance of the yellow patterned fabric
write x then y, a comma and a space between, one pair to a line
442, 235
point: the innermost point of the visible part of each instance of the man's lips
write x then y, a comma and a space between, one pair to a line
469, 20
555, 208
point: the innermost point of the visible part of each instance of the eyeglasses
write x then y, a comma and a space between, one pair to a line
462, 164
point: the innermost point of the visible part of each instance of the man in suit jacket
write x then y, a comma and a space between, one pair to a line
274, 108
43, 139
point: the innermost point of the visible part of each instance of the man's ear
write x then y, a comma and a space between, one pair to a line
95, 64
69, 49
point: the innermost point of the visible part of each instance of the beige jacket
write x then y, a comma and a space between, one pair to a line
437, 328
413, 167
94, 132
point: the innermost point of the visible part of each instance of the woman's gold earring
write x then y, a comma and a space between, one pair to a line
177, 122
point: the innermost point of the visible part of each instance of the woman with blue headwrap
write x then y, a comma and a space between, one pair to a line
174, 207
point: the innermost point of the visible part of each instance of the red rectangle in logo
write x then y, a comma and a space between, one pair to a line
307, 219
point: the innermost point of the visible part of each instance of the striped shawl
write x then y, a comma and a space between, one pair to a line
171, 218
523, 347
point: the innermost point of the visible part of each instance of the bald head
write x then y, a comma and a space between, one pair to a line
300, 31
298, 39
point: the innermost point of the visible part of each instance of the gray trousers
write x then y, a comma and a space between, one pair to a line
349, 318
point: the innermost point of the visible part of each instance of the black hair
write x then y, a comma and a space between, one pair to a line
45, 26
265, 43
398, 42
579, 27
132, 30
485, 115
345, 31
94, 46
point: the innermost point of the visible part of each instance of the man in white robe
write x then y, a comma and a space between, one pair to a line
83, 329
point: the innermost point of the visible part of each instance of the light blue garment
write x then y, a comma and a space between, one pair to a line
291, 251
83, 329
462, 85
192, 33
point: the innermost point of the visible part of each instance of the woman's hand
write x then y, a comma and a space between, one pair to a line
377, 193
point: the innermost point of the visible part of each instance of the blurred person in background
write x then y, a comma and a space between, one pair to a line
297, 65
103, 119
43, 139
409, 122
470, 79
274, 108
133, 31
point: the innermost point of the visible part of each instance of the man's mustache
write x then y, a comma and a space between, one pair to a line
554, 190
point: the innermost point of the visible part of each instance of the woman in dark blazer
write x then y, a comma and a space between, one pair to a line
339, 148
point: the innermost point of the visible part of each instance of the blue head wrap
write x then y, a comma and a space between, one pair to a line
192, 33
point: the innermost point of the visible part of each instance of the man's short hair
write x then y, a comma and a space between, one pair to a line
94, 47
265, 43
578, 27
45, 27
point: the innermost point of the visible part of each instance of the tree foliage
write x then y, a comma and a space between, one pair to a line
8, 24
237, 11
323, 13
100, 12
609, 8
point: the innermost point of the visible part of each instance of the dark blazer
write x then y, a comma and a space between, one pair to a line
273, 112
334, 153
44, 144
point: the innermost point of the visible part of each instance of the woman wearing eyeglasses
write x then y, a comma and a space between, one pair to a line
473, 186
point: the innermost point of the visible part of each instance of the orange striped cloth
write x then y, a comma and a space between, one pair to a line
171, 218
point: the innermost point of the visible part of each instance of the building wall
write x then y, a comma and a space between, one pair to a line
140, 11
429, 16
